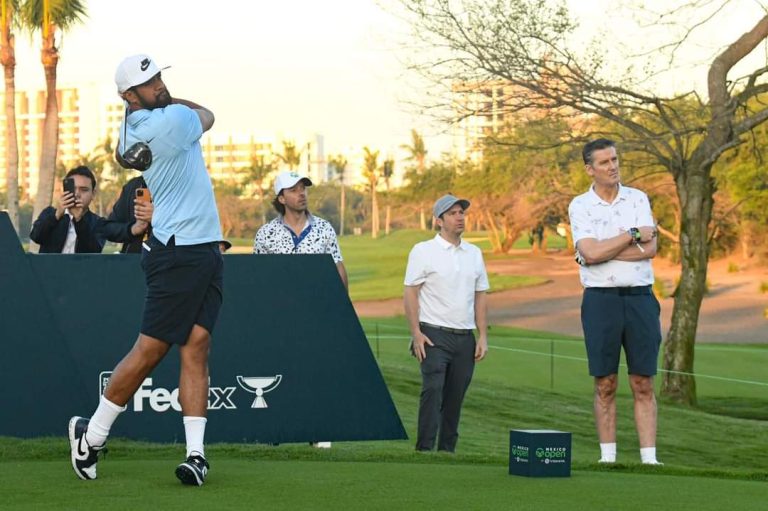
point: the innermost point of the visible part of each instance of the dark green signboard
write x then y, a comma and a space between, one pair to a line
539, 453
289, 360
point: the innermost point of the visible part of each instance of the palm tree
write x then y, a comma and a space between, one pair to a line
291, 156
387, 170
371, 172
99, 161
9, 21
257, 174
418, 154
339, 164
50, 17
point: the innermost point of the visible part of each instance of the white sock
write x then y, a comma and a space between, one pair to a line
648, 455
608, 452
194, 427
101, 422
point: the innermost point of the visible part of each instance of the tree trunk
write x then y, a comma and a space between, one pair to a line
422, 219
745, 240
695, 190
47, 170
387, 218
262, 209
543, 243
8, 58
511, 234
494, 236
374, 214
341, 210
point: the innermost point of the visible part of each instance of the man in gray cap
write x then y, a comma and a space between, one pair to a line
445, 300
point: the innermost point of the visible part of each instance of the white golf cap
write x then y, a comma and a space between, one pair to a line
135, 70
288, 179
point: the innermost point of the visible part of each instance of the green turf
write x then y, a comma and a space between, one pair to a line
263, 484
712, 461
376, 267
731, 377
515, 388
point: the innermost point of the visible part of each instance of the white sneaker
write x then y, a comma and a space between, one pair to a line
321, 445
653, 462
84, 457
603, 460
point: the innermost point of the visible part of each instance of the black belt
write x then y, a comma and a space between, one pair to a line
457, 331
622, 291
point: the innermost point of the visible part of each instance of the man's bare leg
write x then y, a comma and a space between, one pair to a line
126, 378
128, 375
605, 416
193, 387
645, 415
193, 396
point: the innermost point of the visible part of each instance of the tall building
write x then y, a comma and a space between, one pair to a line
30, 116
226, 155
90, 115
482, 114
86, 116
489, 109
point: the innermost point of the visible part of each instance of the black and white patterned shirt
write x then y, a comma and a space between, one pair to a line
277, 238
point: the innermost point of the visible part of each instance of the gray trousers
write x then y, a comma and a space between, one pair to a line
445, 373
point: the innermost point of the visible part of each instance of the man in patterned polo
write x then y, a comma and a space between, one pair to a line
615, 238
296, 230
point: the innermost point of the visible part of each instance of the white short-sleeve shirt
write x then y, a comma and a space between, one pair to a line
592, 217
450, 276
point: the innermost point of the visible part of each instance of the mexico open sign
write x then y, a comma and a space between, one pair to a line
539, 453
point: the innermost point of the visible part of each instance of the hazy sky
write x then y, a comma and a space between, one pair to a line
293, 66
262, 66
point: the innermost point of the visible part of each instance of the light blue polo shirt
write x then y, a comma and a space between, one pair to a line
181, 188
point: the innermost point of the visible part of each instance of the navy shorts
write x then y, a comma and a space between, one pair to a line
613, 317
184, 288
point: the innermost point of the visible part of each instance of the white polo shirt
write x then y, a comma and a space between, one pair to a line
592, 217
450, 276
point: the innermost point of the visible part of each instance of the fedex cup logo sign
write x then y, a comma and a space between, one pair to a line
159, 399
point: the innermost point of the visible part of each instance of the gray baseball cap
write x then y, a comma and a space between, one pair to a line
446, 202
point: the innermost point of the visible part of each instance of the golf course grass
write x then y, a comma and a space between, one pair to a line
530, 380
376, 268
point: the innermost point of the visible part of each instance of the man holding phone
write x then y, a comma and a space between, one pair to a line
134, 197
72, 228
182, 264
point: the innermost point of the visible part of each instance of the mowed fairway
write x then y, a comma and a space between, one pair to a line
258, 484
713, 461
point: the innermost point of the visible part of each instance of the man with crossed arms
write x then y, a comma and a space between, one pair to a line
615, 238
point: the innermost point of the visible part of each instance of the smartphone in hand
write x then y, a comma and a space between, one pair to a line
69, 185
143, 194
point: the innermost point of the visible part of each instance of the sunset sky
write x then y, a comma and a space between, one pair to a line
291, 66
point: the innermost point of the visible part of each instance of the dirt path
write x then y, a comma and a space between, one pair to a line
732, 311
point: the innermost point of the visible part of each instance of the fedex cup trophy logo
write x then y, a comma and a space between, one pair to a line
259, 385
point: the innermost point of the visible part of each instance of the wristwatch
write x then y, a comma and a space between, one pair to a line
634, 232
